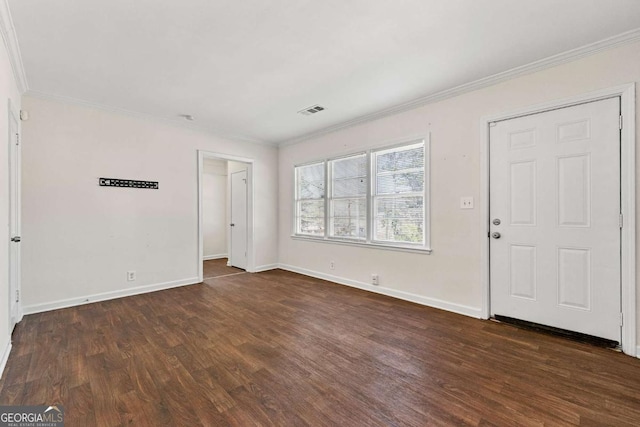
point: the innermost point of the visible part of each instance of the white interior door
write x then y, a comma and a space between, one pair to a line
14, 220
238, 253
555, 191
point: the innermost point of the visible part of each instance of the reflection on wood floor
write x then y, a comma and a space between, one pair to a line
278, 348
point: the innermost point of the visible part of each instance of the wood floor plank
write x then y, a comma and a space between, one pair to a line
278, 348
218, 267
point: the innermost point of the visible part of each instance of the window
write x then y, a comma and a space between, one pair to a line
376, 198
398, 194
348, 197
310, 199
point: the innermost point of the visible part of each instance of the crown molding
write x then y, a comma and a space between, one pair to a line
177, 122
13, 48
542, 64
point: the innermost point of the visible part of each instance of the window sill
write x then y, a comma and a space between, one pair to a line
419, 250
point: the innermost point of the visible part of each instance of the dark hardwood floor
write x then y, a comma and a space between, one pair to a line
277, 348
218, 267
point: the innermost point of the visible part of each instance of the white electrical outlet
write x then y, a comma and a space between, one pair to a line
375, 279
466, 202
131, 276
332, 265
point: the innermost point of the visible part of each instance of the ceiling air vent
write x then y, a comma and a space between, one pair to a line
311, 110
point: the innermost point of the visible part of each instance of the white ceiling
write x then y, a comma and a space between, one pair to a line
244, 68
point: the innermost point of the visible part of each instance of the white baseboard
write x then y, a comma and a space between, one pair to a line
72, 302
5, 357
638, 352
210, 257
265, 267
419, 299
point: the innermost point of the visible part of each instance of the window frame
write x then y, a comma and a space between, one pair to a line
370, 241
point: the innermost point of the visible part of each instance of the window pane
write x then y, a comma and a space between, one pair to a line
400, 159
310, 181
349, 167
411, 182
349, 218
311, 208
399, 219
349, 176
310, 217
349, 187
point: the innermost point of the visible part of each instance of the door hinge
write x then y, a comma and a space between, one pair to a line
621, 220
621, 319
17, 295
17, 139
620, 122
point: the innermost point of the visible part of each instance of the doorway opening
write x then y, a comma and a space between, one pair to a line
225, 215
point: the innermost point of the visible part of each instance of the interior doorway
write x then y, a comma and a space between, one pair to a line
225, 215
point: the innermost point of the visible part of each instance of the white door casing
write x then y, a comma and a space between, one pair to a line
555, 187
238, 252
14, 219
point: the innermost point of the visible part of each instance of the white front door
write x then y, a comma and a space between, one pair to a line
555, 218
14, 221
238, 257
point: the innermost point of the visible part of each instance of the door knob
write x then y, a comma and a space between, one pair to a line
16, 239
495, 235
496, 221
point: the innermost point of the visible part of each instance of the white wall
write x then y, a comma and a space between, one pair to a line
8, 91
236, 167
450, 276
214, 208
79, 239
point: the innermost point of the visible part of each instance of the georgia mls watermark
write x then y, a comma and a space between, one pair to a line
31, 416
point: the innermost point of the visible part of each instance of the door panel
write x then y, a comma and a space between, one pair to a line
14, 220
522, 265
574, 278
522, 193
574, 190
555, 187
238, 256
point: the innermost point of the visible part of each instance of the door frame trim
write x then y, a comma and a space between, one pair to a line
204, 154
627, 188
